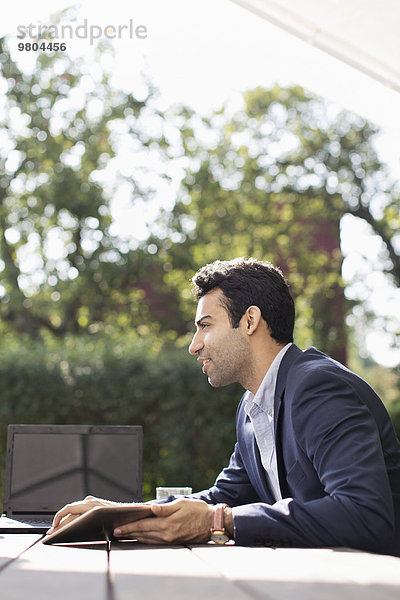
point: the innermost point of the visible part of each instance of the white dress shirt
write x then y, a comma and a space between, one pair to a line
260, 409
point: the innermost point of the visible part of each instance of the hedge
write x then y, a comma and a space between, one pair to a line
188, 425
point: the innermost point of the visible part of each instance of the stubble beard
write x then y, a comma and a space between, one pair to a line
232, 363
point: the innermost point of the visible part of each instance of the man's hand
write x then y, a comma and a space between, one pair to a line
180, 521
71, 511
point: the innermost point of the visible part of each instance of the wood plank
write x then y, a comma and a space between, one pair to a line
12, 545
309, 574
153, 572
62, 572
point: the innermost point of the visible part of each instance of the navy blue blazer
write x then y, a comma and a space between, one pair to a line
338, 463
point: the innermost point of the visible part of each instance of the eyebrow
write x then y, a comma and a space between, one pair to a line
202, 319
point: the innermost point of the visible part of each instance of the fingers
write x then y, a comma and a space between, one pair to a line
144, 531
165, 510
74, 510
150, 530
179, 521
63, 522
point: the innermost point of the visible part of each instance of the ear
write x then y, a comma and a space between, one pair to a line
252, 318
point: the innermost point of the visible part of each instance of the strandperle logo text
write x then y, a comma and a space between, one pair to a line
83, 31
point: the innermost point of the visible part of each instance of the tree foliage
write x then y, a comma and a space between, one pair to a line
273, 178
63, 267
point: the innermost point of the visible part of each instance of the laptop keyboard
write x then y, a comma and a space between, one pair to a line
44, 522
38, 521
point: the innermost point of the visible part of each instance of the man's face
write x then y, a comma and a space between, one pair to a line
223, 350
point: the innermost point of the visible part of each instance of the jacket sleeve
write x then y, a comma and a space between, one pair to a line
232, 486
336, 432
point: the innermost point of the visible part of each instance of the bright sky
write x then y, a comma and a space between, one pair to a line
201, 53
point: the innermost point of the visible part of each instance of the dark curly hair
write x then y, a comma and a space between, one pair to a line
250, 282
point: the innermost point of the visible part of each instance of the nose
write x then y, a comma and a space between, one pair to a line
196, 344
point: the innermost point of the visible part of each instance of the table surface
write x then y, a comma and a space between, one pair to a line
31, 570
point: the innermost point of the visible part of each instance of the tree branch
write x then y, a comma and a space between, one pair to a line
379, 228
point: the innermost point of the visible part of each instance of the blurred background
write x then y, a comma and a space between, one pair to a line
133, 157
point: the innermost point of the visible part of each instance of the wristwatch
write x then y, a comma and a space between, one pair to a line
217, 531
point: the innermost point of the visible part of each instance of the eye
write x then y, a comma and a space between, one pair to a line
203, 325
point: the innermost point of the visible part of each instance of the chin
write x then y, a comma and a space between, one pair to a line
213, 383
217, 383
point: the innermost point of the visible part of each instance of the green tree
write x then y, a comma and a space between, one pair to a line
273, 179
63, 268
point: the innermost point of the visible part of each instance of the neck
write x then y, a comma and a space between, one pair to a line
260, 365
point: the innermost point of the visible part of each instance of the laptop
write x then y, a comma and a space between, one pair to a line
48, 466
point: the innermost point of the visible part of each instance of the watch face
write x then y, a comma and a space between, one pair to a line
219, 538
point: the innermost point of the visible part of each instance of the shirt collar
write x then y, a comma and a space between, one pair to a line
264, 396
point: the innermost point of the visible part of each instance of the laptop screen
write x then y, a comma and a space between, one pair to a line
50, 465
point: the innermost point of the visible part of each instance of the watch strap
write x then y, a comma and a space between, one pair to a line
218, 533
217, 523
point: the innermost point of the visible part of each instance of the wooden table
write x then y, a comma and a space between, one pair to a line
31, 571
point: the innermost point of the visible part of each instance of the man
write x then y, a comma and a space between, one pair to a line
316, 462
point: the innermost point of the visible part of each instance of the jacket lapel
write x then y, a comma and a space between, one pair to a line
290, 356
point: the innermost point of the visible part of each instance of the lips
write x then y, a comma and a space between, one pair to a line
205, 362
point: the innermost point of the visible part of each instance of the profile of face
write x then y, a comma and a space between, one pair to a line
223, 350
